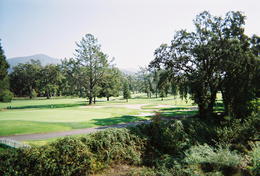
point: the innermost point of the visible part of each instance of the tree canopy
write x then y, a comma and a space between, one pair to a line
217, 56
5, 94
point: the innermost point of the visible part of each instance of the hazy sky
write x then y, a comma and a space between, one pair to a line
129, 30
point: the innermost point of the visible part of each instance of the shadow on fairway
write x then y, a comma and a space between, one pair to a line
116, 120
49, 106
174, 109
177, 113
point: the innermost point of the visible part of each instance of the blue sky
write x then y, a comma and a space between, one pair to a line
129, 30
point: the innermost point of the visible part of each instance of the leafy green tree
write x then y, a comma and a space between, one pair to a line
5, 94
24, 78
163, 84
146, 80
50, 78
74, 82
92, 63
126, 91
217, 56
132, 80
111, 83
4, 84
155, 74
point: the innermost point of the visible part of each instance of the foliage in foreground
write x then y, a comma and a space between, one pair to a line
74, 156
178, 147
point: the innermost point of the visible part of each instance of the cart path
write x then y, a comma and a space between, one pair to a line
40, 136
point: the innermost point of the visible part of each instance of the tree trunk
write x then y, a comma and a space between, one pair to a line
202, 111
90, 100
212, 103
30, 92
107, 98
226, 103
206, 110
94, 100
90, 95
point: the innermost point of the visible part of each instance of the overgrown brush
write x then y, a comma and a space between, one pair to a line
210, 159
74, 156
255, 159
182, 147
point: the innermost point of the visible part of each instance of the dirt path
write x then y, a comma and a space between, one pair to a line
40, 136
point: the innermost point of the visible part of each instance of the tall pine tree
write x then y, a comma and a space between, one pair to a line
126, 91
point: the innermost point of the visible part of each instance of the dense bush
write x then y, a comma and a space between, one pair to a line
162, 134
6, 96
255, 160
213, 159
116, 145
183, 147
74, 156
33, 94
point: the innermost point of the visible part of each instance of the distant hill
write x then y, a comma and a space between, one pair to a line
129, 71
44, 59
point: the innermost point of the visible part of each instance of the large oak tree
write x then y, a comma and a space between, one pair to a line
217, 56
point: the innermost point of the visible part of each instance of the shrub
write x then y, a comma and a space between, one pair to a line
165, 148
238, 132
199, 131
173, 138
33, 94
142, 172
75, 156
255, 160
170, 165
214, 132
6, 96
65, 157
213, 159
116, 145
167, 137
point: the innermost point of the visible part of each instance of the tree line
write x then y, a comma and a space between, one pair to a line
89, 74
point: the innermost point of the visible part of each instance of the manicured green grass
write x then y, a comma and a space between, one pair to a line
24, 116
40, 103
62, 119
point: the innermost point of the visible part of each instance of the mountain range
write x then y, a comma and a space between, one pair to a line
46, 60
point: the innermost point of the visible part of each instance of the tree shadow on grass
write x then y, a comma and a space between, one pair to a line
49, 106
217, 107
116, 120
178, 113
174, 108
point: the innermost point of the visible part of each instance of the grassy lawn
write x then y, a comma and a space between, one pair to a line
24, 116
